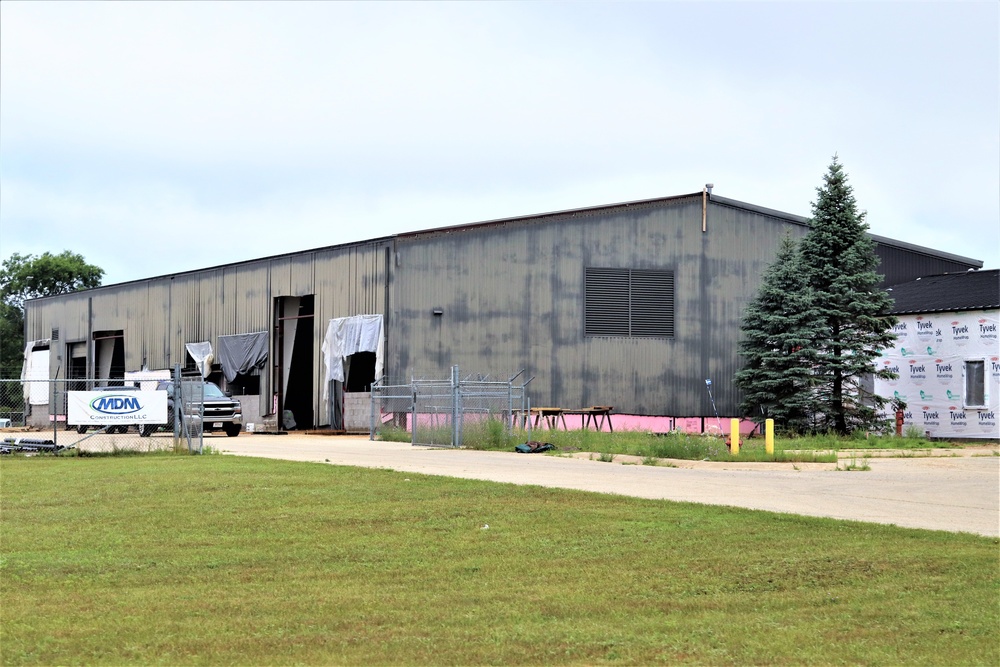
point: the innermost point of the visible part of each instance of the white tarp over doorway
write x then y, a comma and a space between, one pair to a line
202, 355
35, 372
349, 335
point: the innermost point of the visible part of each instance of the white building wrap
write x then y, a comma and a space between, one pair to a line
932, 355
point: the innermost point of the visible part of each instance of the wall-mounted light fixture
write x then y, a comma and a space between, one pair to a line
437, 312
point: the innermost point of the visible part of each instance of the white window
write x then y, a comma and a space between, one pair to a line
975, 383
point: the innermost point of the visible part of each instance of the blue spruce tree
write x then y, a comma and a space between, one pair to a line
778, 330
839, 262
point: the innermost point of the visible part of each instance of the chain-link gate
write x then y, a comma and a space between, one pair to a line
35, 415
445, 413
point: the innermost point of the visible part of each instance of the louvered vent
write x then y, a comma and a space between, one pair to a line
606, 310
652, 304
629, 303
55, 334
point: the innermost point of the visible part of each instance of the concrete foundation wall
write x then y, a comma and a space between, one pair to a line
357, 411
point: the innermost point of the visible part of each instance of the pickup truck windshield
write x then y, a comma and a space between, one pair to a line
211, 391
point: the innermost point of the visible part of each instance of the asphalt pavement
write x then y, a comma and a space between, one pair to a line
952, 491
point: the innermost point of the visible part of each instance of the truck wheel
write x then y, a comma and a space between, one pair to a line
232, 430
81, 429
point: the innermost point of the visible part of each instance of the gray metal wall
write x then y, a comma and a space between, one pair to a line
159, 315
512, 296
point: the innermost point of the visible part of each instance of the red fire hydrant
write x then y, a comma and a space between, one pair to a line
899, 422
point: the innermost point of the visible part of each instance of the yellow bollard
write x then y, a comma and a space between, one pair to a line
734, 436
769, 436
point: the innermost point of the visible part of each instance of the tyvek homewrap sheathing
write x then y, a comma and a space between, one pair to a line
930, 355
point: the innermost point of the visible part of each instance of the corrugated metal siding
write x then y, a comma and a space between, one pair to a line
899, 265
190, 315
160, 315
512, 294
280, 275
513, 298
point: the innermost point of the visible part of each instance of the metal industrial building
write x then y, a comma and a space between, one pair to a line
632, 305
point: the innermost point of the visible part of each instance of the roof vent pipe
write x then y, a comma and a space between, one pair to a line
704, 205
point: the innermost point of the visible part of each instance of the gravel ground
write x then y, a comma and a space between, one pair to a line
952, 490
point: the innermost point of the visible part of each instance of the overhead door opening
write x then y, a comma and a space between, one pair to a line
295, 337
77, 367
109, 362
352, 349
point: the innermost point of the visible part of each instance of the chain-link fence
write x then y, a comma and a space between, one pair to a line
448, 412
102, 416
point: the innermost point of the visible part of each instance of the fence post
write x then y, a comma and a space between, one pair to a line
527, 419
177, 404
53, 410
456, 407
371, 412
413, 412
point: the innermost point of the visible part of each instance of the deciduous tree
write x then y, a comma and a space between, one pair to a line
25, 277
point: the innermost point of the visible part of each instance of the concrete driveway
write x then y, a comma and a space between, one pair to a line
958, 493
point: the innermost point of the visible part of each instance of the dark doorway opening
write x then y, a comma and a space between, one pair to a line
77, 367
360, 371
245, 384
295, 368
109, 357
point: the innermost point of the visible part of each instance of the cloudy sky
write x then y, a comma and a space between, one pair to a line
154, 138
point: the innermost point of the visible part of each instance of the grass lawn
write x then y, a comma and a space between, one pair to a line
228, 560
491, 435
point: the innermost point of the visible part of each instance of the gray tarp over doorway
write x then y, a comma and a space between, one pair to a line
242, 353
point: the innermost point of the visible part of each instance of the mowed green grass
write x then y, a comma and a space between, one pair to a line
227, 560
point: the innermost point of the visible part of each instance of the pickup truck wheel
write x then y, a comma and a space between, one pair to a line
232, 430
81, 429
